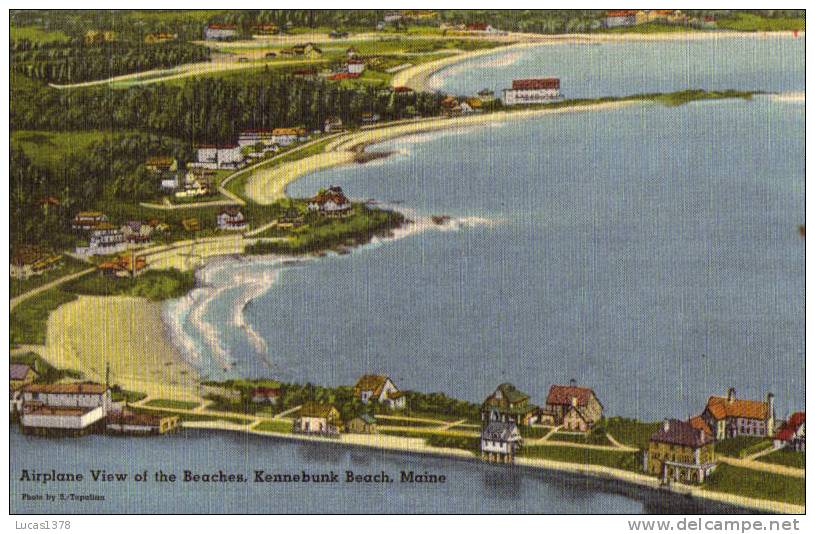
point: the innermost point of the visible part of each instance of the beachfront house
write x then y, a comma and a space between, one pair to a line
792, 433
620, 18
508, 404
220, 32
71, 409
362, 424
32, 260
318, 419
20, 374
331, 202
680, 453
140, 424
500, 441
105, 239
729, 416
379, 388
231, 219
574, 407
255, 137
287, 136
532, 91
126, 266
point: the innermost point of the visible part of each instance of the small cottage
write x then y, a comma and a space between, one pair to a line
500, 441
379, 388
231, 219
317, 418
362, 424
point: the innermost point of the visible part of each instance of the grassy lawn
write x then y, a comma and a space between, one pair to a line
756, 484
534, 432
29, 320
630, 431
741, 446
154, 284
36, 35
786, 457
117, 394
68, 265
274, 426
172, 404
407, 423
748, 22
576, 455
594, 438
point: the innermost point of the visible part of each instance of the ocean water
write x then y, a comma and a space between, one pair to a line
487, 489
759, 63
649, 252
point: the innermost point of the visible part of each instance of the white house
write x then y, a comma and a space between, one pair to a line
287, 136
355, 66
229, 156
59, 420
253, 137
379, 388
105, 239
331, 202
220, 32
72, 395
500, 441
317, 418
792, 433
207, 154
231, 219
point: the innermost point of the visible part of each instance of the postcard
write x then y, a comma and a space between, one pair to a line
407, 261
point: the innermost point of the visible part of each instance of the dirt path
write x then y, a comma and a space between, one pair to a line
50, 285
282, 415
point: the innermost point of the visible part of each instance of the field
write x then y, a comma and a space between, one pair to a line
631, 432
741, 446
756, 484
154, 285
594, 438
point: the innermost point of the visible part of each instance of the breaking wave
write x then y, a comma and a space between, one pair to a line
214, 343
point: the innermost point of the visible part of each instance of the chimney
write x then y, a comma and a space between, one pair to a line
770, 405
701, 436
731, 394
666, 425
573, 382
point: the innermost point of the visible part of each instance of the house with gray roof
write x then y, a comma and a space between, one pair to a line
500, 441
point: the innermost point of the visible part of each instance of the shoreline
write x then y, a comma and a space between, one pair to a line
418, 76
269, 185
598, 472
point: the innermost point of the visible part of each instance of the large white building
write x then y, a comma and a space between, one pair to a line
220, 32
218, 156
532, 91
73, 408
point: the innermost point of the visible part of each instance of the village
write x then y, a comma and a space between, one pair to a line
505, 428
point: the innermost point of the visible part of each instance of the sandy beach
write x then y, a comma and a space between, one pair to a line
265, 186
127, 333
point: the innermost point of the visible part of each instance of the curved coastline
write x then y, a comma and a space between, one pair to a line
268, 186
